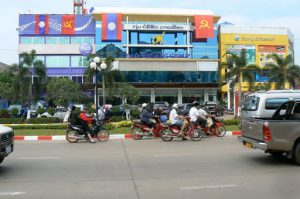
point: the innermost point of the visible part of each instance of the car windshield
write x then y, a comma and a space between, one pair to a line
250, 103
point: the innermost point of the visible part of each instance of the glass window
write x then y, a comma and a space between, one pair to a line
38, 40
79, 61
51, 40
251, 103
41, 58
88, 40
273, 104
57, 61
57, 40
76, 40
26, 40
63, 40
80, 40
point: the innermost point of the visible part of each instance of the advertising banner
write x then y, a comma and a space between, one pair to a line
250, 51
204, 26
55, 24
266, 50
157, 27
112, 27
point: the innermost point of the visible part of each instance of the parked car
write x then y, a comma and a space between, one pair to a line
184, 108
77, 105
60, 112
159, 107
6, 142
214, 108
15, 106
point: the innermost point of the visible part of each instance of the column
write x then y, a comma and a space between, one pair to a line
127, 37
152, 95
228, 95
205, 96
179, 96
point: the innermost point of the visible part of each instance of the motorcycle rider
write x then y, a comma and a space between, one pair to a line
85, 120
194, 113
177, 120
203, 116
146, 116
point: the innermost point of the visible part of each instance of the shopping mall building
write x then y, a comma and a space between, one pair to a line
168, 54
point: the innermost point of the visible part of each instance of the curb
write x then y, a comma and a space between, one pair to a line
111, 137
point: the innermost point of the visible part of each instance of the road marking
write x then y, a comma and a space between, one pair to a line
11, 193
209, 187
38, 158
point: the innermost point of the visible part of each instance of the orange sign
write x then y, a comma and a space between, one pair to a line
273, 49
68, 25
204, 26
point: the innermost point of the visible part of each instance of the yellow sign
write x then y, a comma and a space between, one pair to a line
204, 24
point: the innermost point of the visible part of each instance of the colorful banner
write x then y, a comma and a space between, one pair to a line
112, 27
204, 26
272, 49
68, 24
41, 24
266, 50
250, 51
29, 24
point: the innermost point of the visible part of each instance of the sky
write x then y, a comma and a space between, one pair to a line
275, 13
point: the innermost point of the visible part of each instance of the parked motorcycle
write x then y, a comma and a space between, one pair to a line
140, 130
76, 133
193, 131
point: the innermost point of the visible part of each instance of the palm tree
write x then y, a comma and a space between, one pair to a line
283, 71
33, 66
237, 68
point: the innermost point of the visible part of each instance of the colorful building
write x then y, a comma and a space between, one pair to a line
168, 54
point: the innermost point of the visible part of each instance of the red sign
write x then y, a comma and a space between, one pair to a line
68, 24
272, 49
112, 27
204, 26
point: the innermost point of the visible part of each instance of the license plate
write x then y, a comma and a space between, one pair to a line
248, 145
8, 149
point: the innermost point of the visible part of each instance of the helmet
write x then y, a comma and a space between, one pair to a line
107, 106
175, 105
195, 103
73, 108
144, 105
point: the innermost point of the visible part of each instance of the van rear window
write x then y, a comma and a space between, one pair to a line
250, 103
274, 103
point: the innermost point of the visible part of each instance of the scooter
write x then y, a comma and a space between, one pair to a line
140, 130
193, 131
217, 128
75, 133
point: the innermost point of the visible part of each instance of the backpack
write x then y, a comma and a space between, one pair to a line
101, 114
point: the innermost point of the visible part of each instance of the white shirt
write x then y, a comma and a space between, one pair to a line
173, 116
194, 114
202, 113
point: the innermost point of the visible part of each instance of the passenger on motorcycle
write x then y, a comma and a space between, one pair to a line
194, 113
204, 116
104, 113
146, 116
85, 120
177, 120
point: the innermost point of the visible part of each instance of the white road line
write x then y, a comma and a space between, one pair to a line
38, 158
11, 193
209, 187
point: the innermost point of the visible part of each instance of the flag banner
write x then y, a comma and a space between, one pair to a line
41, 24
68, 25
204, 26
112, 27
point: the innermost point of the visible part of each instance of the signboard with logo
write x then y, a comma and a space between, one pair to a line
204, 26
55, 24
250, 51
85, 49
266, 50
157, 27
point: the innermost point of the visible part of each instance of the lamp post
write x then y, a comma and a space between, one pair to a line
96, 66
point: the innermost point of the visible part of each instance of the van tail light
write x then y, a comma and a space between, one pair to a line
266, 132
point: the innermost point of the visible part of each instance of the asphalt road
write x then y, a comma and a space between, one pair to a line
147, 169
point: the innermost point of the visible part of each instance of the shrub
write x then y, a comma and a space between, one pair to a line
231, 122
39, 126
40, 110
116, 118
135, 113
11, 120
14, 112
43, 120
51, 111
4, 113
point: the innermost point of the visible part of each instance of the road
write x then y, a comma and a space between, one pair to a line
146, 169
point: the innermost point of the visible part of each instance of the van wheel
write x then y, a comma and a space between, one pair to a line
1, 159
297, 154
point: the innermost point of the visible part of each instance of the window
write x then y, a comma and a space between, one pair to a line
57, 61
79, 61
57, 40
273, 104
77, 79
26, 40
80, 40
38, 40
41, 58
251, 103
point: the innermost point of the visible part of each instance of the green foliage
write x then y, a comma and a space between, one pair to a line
4, 113
116, 118
231, 122
127, 91
39, 126
135, 113
14, 112
11, 120
40, 110
62, 91
51, 111
43, 120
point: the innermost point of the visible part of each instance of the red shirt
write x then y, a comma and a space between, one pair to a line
85, 118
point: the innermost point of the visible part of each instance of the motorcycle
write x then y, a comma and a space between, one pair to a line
193, 131
140, 130
75, 133
217, 128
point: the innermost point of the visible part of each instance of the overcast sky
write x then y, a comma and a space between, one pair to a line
278, 13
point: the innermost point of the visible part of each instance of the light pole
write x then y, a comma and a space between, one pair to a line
96, 66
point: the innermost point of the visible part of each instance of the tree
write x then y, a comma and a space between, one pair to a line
128, 92
34, 67
62, 91
238, 68
283, 71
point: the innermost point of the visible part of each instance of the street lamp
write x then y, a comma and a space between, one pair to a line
96, 67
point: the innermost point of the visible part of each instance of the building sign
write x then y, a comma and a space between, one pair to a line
85, 49
253, 39
55, 24
266, 50
157, 55
157, 27
250, 51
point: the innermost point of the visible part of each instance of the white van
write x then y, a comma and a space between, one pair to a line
6, 141
262, 105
